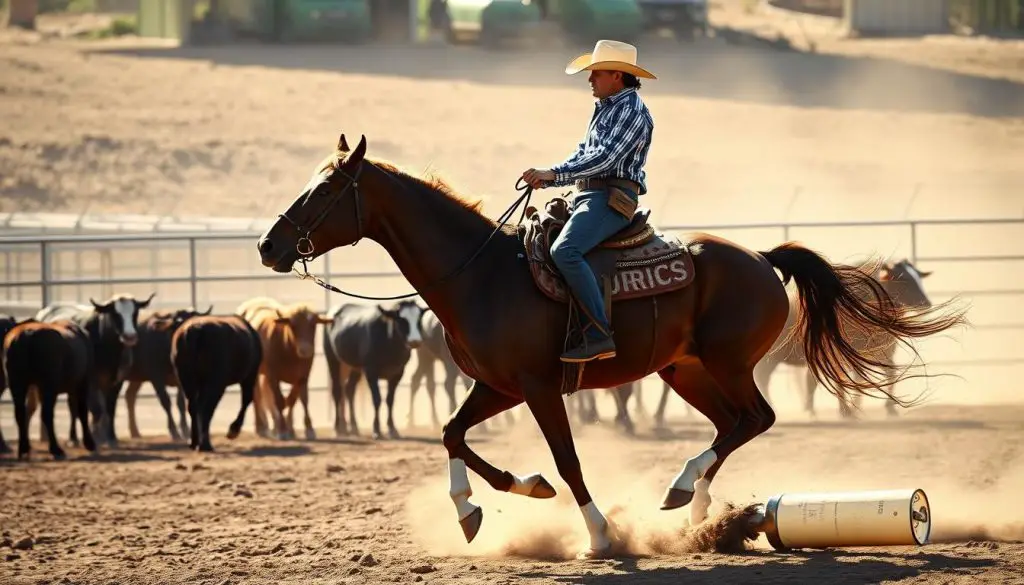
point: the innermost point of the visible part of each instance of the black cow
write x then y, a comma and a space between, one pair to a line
209, 354
112, 327
151, 362
374, 341
55, 357
7, 322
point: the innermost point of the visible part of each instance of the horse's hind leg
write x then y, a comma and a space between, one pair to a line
753, 416
698, 388
482, 403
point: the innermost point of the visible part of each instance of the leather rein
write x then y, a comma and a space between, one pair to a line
307, 251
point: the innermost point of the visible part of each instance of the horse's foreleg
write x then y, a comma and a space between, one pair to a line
549, 411
480, 404
696, 386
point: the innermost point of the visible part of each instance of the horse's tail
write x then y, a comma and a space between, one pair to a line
839, 300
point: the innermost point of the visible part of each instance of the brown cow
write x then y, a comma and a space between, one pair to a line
287, 334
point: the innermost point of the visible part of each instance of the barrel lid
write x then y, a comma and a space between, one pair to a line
920, 517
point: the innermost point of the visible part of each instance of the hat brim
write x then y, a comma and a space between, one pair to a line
584, 63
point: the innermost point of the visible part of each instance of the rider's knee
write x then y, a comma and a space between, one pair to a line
562, 252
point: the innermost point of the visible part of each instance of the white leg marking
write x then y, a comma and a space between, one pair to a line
597, 525
694, 469
701, 502
459, 490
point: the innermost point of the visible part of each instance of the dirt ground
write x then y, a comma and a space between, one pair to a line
349, 510
859, 130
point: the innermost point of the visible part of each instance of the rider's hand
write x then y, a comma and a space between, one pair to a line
536, 178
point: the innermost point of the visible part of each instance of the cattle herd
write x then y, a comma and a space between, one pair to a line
88, 352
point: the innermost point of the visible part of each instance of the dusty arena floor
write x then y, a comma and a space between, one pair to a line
355, 511
886, 129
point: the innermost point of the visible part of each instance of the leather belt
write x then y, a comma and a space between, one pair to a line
588, 184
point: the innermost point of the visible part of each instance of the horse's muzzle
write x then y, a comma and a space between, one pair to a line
273, 257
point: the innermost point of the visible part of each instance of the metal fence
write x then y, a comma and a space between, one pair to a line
980, 260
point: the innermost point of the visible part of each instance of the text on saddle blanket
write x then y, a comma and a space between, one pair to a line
652, 264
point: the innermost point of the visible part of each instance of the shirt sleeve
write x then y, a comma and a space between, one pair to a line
623, 136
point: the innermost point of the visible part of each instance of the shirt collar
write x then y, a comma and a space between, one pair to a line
616, 97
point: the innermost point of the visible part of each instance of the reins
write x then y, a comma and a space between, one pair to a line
305, 248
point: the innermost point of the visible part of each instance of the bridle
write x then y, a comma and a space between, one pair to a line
306, 250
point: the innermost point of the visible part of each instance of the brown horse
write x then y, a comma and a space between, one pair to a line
702, 339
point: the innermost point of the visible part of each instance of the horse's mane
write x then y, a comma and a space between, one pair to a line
432, 181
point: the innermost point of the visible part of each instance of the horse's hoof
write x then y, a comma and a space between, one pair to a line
310, 435
59, 455
676, 498
592, 554
393, 433
543, 490
5, 449
233, 433
471, 524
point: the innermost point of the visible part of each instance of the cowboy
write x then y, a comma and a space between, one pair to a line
608, 170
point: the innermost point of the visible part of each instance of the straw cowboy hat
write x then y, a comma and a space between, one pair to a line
609, 56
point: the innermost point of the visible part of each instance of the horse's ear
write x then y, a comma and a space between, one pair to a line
343, 144
884, 274
353, 160
924, 274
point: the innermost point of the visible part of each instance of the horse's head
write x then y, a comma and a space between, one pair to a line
904, 283
327, 213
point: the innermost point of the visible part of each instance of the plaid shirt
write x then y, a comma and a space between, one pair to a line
616, 143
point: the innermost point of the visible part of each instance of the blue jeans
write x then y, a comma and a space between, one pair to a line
591, 222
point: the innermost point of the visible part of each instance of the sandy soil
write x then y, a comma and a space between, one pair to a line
860, 130
354, 511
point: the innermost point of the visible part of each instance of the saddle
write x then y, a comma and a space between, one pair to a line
635, 262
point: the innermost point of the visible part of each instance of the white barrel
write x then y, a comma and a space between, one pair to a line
839, 519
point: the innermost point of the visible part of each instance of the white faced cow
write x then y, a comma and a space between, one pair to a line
113, 330
374, 341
